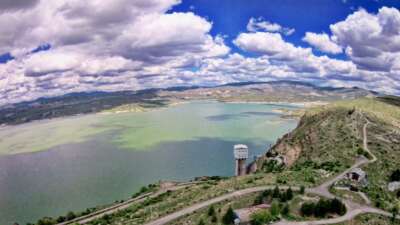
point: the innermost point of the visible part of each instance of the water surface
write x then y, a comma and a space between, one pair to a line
98, 159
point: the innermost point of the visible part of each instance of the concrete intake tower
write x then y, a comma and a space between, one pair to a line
241, 153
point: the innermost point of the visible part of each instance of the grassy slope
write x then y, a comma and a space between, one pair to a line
333, 133
370, 219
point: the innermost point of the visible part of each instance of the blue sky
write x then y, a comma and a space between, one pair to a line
50, 48
230, 17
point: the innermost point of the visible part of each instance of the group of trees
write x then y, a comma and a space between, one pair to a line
60, 219
271, 166
323, 207
268, 195
267, 216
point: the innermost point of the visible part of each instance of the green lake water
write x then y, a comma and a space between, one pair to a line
48, 168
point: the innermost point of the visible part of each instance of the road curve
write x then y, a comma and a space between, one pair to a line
191, 209
353, 209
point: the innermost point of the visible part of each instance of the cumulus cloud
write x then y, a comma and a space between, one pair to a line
12, 5
271, 44
322, 42
131, 45
98, 45
259, 24
372, 41
293, 62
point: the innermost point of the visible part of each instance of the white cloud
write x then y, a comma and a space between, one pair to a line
372, 41
98, 45
130, 45
270, 44
260, 24
322, 42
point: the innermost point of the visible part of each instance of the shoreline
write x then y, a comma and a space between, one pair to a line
172, 104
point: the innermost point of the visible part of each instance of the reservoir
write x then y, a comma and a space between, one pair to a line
50, 167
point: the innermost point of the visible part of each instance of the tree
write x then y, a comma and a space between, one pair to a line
275, 209
289, 194
211, 211
201, 222
395, 175
302, 190
261, 217
395, 211
46, 221
61, 219
276, 193
229, 216
71, 215
285, 210
214, 219
321, 208
336, 206
258, 200
307, 209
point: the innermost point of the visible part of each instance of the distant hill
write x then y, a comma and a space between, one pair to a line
276, 91
92, 102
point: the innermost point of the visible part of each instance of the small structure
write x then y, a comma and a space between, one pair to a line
394, 186
243, 216
357, 174
358, 177
241, 153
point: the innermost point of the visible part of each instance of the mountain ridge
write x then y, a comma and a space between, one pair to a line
98, 101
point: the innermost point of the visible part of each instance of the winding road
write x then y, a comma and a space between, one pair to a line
353, 209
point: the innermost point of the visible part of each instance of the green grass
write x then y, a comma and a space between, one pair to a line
371, 219
333, 133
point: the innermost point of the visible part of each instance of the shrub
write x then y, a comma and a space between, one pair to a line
261, 217
211, 211
201, 222
307, 209
289, 194
71, 216
302, 190
395, 176
276, 193
46, 221
214, 219
337, 207
229, 216
275, 209
285, 210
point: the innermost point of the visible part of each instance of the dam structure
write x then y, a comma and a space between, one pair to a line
240, 153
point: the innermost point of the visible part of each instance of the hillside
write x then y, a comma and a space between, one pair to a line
84, 103
328, 139
279, 91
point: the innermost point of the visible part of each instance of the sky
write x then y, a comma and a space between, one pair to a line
51, 48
